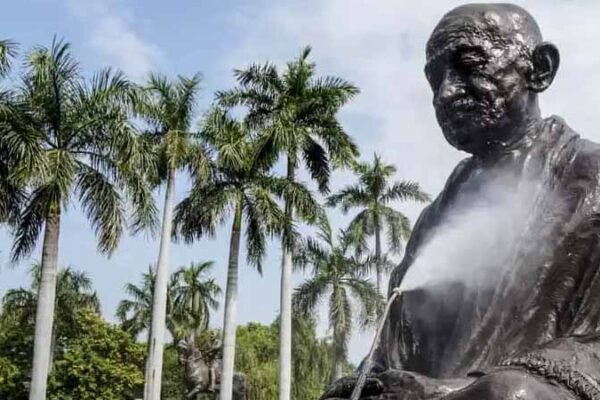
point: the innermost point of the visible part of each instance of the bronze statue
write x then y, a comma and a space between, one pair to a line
534, 332
203, 369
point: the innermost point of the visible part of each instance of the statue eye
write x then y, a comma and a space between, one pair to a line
469, 61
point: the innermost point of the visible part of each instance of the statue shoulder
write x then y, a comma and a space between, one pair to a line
583, 157
580, 156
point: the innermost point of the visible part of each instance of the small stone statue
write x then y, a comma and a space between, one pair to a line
534, 332
203, 370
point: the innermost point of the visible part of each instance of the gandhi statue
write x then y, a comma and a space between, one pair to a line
534, 333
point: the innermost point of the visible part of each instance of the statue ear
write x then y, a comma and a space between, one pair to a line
545, 62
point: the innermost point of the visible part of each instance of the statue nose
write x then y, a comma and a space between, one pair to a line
449, 88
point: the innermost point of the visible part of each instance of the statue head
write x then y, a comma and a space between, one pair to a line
486, 64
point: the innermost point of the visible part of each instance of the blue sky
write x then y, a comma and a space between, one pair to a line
376, 44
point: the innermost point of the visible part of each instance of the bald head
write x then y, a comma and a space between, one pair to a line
486, 63
504, 25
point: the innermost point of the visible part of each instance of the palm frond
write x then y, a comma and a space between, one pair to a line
398, 228
360, 229
39, 205
317, 162
103, 206
206, 207
368, 298
405, 190
8, 51
307, 296
349, 197
255, 233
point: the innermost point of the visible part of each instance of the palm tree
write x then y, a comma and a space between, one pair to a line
241, 185
73, 139
342, 278
135, 312
190, 297
73, 293
194, 296
297, 115
169, 108
373, 193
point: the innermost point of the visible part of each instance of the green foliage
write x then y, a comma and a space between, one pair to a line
16, 353
10, 378
102, 363
97, 361
173, 384
257, 356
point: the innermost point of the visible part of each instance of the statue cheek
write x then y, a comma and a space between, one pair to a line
485, 88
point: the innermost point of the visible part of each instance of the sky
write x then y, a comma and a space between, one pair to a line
376, 44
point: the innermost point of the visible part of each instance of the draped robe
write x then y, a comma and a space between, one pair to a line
542, 310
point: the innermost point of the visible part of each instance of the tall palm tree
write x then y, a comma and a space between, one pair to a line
73, 293
194, 296
297, 115
73, 139
240, 185
373, 193
169, 109
342, 278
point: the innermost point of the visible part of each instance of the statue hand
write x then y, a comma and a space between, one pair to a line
391, 384
510, 384
343, 387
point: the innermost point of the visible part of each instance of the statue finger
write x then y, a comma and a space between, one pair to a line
342, 388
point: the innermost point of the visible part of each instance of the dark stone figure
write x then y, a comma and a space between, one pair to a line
203, 371
533, 333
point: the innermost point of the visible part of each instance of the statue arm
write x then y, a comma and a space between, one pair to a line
563, 369
573, 362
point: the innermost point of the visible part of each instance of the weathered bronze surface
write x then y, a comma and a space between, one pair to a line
533, 333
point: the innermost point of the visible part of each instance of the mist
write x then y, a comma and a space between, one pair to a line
473, 245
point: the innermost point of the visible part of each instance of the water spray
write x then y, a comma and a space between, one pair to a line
368, 363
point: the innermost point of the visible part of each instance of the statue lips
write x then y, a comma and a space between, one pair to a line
460, 108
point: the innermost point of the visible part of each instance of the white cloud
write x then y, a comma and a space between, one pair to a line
379, 45
110, 34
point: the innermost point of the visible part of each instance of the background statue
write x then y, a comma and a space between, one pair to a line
516, 314
203, 369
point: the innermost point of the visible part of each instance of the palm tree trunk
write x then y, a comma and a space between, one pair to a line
336, 364
52, 347
44, 318
146, 365
285, 331
159, 301
230, 317
378, 254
